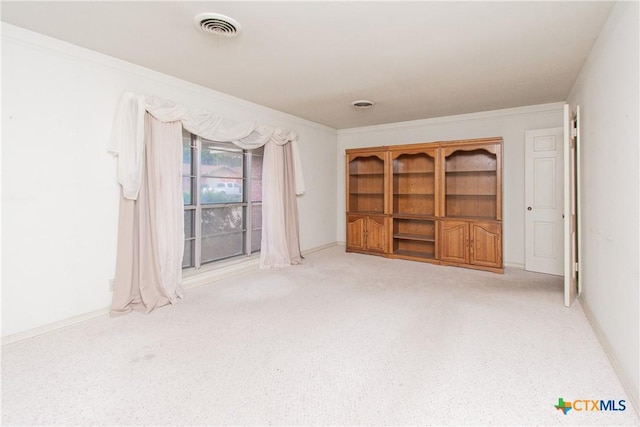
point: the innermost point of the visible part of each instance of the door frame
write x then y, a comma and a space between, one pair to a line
577, 120
571, 205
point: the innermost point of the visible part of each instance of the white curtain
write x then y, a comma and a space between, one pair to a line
127, 140
279, 209
282, 180
150, 228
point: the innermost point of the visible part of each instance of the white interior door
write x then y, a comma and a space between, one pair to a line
576, 192
544, 201
570, 205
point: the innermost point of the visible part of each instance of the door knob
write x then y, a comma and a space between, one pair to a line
529, 208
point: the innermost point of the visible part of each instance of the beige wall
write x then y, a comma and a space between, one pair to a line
607, 92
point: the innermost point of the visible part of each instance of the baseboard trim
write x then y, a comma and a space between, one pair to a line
514, 265
635, 398
319, 248
50, 327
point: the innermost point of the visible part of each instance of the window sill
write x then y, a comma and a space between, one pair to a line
212, 272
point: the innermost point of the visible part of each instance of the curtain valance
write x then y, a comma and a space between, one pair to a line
127, 138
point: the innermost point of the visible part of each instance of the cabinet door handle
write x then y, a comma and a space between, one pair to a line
529, 208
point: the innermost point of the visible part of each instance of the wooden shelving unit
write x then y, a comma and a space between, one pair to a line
413, 197
414, 238
367, 184
436, 202
470, 182
367, 222
471, 198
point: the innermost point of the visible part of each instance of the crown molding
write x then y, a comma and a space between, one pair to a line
482, 115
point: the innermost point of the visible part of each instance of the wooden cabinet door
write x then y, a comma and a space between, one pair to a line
486, 244
367, 233
356, 226
454, 241
376, 234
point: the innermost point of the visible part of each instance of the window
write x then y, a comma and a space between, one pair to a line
222, 194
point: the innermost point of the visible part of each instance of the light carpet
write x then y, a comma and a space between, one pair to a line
344, 339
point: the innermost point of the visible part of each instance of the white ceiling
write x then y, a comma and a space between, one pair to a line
416, 60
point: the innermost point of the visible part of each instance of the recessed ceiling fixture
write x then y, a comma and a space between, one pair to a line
218, 24
362, 104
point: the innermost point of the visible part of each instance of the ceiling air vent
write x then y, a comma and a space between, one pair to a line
362, 104
218, 24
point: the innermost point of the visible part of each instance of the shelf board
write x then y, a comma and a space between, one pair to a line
476, 171
414, 194
367, 174
470, 195
352, 193
405, 215
415, 254
415, 173
409, 236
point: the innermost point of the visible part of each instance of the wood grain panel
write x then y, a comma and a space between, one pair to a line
486, 244
454, 241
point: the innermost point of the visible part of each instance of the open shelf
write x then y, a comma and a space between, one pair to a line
416, 236
470, 207
414, 184
478, 160
420, 237
414, 254
471, 184
420, 206
366, 165
359, 202
414, 162
366, 184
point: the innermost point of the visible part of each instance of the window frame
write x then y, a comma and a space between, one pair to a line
195, 209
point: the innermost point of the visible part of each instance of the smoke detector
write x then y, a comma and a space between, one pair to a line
215, 23
362, 104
